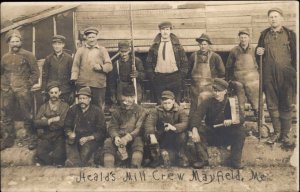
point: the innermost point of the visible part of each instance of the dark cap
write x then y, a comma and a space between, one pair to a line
124, 45
58, 38
165, 24
244, 31
167, 94
275, 9
128, 90
85, 91
12, 33
91, 30
52, 84
220, 84
203, 37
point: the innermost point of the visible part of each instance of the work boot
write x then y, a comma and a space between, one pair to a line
274, 138
276, 126
200, 164
166, 158
183, 160
236, 165
32, 143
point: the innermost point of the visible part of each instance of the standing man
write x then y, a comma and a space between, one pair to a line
167, 63
123, 73
241, 66
49, 123
85, 129
90, 67
125, 132
277, 46
218, 110
58, 67
204, 66
168, 123
19, 72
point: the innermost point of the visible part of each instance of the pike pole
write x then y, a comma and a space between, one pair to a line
260, 100
133, 55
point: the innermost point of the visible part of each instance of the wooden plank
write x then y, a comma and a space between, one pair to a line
192, 6
222, 26
228, 20
172, 13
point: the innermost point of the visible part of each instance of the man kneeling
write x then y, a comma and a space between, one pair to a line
223, 125
167, 126
125, 140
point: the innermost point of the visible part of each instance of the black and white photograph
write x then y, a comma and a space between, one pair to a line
149, 96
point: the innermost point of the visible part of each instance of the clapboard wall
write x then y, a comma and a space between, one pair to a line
220, 20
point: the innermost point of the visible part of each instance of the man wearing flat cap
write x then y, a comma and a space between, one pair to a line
57, 67
90, 66
125, 127
167, 63
223, 125
277, 47
241, 66
19, 72
204, 66
85, 129
49, 123
167, 126
123, 73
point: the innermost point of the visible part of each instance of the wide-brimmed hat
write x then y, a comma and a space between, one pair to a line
84, 91
203, 37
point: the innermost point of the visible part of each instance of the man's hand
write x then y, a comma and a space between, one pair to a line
84, 140
227, 122
195, 135
260, 51
117, 141
134, 74
53, 120
168, 127
97, 67
126, 139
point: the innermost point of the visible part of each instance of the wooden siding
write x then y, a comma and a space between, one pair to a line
221, 21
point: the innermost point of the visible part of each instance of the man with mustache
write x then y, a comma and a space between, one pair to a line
49, 123
125, 133
122, 73
85, 129
277, 46
90, 66
167, 63
57, 67
19, 72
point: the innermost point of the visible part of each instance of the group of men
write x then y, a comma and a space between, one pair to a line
70, 133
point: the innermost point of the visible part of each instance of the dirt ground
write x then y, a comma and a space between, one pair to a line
261, 179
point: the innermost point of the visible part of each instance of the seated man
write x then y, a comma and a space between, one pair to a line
223, 125
168, 123
49, 123
86, 129
125, 132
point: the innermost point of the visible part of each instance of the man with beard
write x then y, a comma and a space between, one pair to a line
90, 67
57, 67
125, 132
85, 129
49, 123
218, 110
277, 46
241, 66
19, 72
167, 63
168, 124
204, 66
123, 73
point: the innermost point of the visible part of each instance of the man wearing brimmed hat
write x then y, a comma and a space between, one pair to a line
90, 67
122, 73
204, 66
85, 129
166, 64
241, 66
49, 123
277, 47
19, 72
58, 67
218, 110
167, 126
125, 127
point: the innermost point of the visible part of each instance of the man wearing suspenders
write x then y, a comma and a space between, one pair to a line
204, 66
123, 73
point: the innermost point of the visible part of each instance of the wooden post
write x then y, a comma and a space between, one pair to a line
54, 26
33, 39
75, 33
